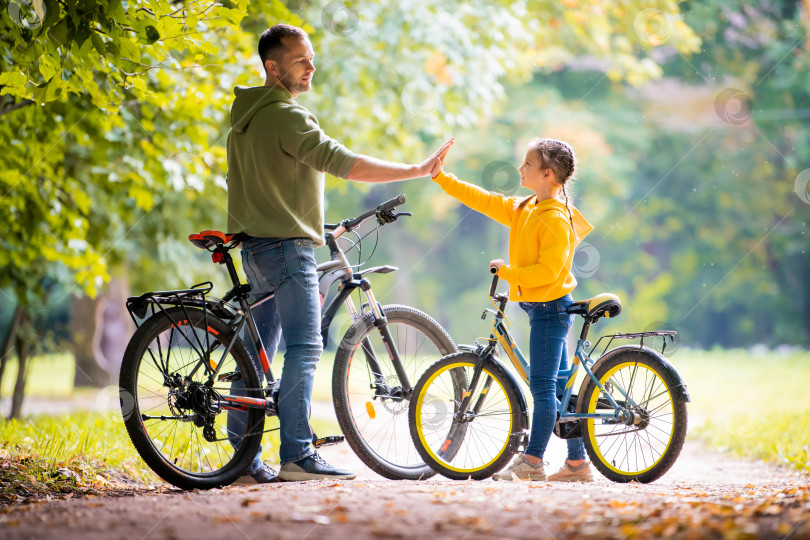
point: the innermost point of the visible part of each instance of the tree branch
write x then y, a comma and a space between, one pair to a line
11, 106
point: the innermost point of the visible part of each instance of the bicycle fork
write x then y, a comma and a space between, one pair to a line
381, 323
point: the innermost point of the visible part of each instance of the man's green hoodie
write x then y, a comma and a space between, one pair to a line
277, 155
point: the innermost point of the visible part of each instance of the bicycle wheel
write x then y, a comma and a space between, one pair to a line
171, 412
477, 445
645, 446
371, 407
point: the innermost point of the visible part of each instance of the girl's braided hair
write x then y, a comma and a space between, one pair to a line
559, 157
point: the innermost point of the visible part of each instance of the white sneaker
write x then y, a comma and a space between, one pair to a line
520, 469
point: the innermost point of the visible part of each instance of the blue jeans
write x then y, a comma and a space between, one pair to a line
548, 353
287, 268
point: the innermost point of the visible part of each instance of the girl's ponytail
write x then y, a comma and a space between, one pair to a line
559, 157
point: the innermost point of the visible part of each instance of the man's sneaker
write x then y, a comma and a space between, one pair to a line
580, 473
520, 469
262, 475
312, 467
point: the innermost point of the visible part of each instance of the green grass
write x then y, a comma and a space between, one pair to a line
83, 452
49, 376
87, 452
751, 404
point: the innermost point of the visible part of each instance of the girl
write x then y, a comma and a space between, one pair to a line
544, 231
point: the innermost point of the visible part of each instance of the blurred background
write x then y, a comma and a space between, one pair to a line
689, 119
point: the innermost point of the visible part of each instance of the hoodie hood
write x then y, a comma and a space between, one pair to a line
580, 224
250, 99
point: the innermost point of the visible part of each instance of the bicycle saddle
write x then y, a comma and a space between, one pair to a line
213, 239
604, 304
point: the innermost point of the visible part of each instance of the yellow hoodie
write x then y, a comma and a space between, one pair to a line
541, 240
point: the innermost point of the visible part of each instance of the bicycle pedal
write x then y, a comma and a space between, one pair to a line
328, 441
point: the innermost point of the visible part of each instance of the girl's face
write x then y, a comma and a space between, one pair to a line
532, 176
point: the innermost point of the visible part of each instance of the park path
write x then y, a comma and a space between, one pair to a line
705, 495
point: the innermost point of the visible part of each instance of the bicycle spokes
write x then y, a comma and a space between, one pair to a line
470, 440
637, 442
179, 411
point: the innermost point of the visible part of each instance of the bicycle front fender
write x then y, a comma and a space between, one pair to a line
680, 385
494, 363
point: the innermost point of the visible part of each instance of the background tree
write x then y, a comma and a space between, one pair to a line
115, 114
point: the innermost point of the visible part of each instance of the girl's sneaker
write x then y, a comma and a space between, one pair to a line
580, 473
520, 469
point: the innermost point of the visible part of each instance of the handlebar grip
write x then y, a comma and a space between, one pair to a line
390, 205
494, 286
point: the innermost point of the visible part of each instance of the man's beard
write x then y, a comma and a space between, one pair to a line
294, 85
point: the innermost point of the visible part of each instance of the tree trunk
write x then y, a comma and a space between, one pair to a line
100, 329
5, 352
23, 347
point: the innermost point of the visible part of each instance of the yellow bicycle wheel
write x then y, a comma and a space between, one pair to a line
474, 445
646, 442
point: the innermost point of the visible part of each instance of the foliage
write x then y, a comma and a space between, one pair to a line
79, 453
109, 159
692, 192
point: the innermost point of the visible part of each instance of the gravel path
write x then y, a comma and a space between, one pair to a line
705, 495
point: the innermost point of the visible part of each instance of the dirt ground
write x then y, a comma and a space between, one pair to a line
705, 495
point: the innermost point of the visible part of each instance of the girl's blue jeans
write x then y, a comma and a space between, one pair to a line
286, 267
548, 353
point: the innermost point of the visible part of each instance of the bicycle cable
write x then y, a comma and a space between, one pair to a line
359, 246
508, 325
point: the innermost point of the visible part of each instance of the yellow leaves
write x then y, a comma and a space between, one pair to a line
13, 78
142, 196
47, 68
81, 200
436, 64
129, 50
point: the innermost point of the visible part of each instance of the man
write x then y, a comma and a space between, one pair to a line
277, 155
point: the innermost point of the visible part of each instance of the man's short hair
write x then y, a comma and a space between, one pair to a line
271, 46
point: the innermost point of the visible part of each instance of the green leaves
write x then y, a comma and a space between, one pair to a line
125, 144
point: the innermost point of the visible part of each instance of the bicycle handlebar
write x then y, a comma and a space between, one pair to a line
500, 298
383, 208
390, 205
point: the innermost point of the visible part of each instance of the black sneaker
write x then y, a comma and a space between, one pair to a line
312, 467
263, 475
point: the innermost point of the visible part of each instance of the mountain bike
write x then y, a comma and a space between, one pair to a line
468, 416
187, 366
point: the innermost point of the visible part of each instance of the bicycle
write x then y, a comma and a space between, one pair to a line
186, 364
468, 416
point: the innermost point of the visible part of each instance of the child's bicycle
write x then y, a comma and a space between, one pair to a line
186, 366
468, 416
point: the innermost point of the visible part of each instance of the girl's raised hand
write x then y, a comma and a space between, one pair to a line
433, 164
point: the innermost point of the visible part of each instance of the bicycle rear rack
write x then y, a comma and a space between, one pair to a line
148, 304
637, 335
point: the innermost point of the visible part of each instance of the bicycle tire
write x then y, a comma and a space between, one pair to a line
644, 451
190, 461
460, 450
375, 426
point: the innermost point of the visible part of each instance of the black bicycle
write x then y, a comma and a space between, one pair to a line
186, 366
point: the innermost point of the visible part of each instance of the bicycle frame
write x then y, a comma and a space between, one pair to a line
500, 334
336, 269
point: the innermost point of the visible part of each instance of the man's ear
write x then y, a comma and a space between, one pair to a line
270, 68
